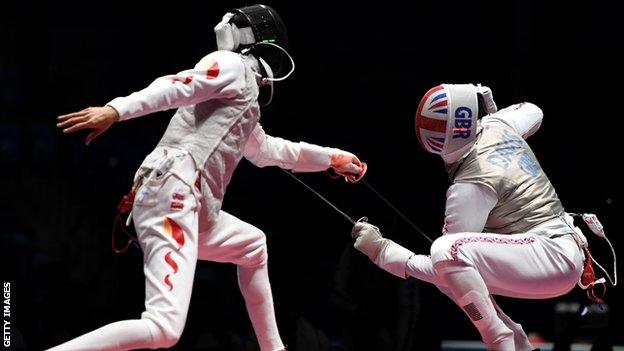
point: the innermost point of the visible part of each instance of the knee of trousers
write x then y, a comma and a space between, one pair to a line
256, 254
166, 330
444, 250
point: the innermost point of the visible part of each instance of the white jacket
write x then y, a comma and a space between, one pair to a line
217, 122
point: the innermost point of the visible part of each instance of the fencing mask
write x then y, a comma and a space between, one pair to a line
446, 119
259, 30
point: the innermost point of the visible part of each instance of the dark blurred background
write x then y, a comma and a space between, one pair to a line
361, 70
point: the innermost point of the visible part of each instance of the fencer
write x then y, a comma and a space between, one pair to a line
505, 230
180, 186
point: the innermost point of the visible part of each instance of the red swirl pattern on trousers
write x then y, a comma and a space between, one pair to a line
174, 230
488, 239
172, 263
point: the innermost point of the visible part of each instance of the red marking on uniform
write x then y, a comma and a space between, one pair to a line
172, 228
186, 80
171, 262
177, 205
178, 196
173, 265
213, 71
488, 239
168, 282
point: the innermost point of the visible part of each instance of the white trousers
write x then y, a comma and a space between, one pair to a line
468, 267
519, 265
165, 214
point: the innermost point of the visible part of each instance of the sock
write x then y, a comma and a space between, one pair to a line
521, 340
470, 292
124, 335
256, 289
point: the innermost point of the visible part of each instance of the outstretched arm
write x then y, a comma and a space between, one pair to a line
264, 150
385, 253
218, 75
467, 209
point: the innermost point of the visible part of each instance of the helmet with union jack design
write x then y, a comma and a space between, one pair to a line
446, 119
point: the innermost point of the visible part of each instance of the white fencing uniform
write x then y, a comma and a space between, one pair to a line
504, 227
472, 206
177, 209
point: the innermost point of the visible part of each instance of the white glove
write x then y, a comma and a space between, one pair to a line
386, 254
368, 240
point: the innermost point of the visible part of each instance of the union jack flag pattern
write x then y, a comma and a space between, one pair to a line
431, 118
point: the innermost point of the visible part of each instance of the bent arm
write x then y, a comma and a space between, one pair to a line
218, 75
525, 118
468, 206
